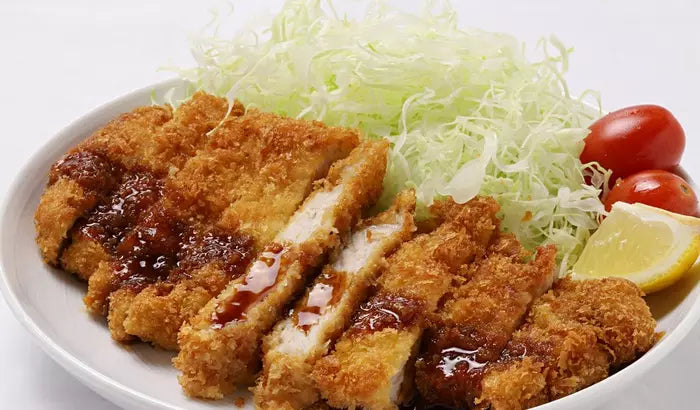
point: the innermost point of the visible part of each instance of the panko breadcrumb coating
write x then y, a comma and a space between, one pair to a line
273, 178
244, 184
88, 172
321, 315
93, 239
477, 322
219, 347
371, 365
574, 336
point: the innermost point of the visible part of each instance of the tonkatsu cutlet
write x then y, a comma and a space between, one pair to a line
95, 236
292, 155
89, 171
574, 336
219, 347
321, 315
474, 326
371, 364
215, 214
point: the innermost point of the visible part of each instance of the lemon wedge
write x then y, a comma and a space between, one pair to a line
649, 246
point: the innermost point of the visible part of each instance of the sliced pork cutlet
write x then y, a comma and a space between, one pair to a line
574, 336
95, 236
90, 171
371, 366
293, 154
475, 325
219, 347
325, 310
191, 239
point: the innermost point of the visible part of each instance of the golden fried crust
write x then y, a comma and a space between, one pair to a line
180, 138
65, 201
280, 159
348, 377
499, 294
99, 288
144, 138
506, 244
236, 164
118, 305
367, 368
463, 236
294, 153
614, 307
256, 144
213, 360
285, 384
286, 380
480, 318
157, 312
61, 205
566, 355
576, 334
163, 153
83, 257
516, 385
125, 140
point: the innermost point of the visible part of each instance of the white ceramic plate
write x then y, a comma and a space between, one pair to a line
49, 302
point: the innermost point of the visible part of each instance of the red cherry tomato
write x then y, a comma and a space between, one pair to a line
658, 188
634, 139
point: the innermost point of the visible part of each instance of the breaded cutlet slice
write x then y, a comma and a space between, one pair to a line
294, 154
573, 337
371, 366
474, 326
219, 347
95, 236
258, 168
325, 310
196, 196
88, 172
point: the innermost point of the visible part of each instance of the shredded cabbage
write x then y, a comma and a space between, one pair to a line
466, 111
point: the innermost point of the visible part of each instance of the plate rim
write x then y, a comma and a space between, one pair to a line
108, 388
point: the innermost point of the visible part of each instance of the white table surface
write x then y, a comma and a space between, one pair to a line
60, 59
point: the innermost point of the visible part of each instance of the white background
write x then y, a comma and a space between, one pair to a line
61, 59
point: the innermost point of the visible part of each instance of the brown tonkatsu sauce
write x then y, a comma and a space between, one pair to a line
149, 244
149, 252
261, 277
162, 248
110, 220
386, 310
326, 292
233, 253
453, 364
94, 172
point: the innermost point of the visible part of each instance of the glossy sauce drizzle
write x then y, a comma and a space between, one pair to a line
454, 356
326, 292
261, 277
232, 252
92, 171
384, 311
162, 249
108, 222
148, 252
452, 364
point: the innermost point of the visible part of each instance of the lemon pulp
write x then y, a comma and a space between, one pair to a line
646, 245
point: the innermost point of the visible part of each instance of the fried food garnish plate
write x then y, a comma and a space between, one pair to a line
49, 303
